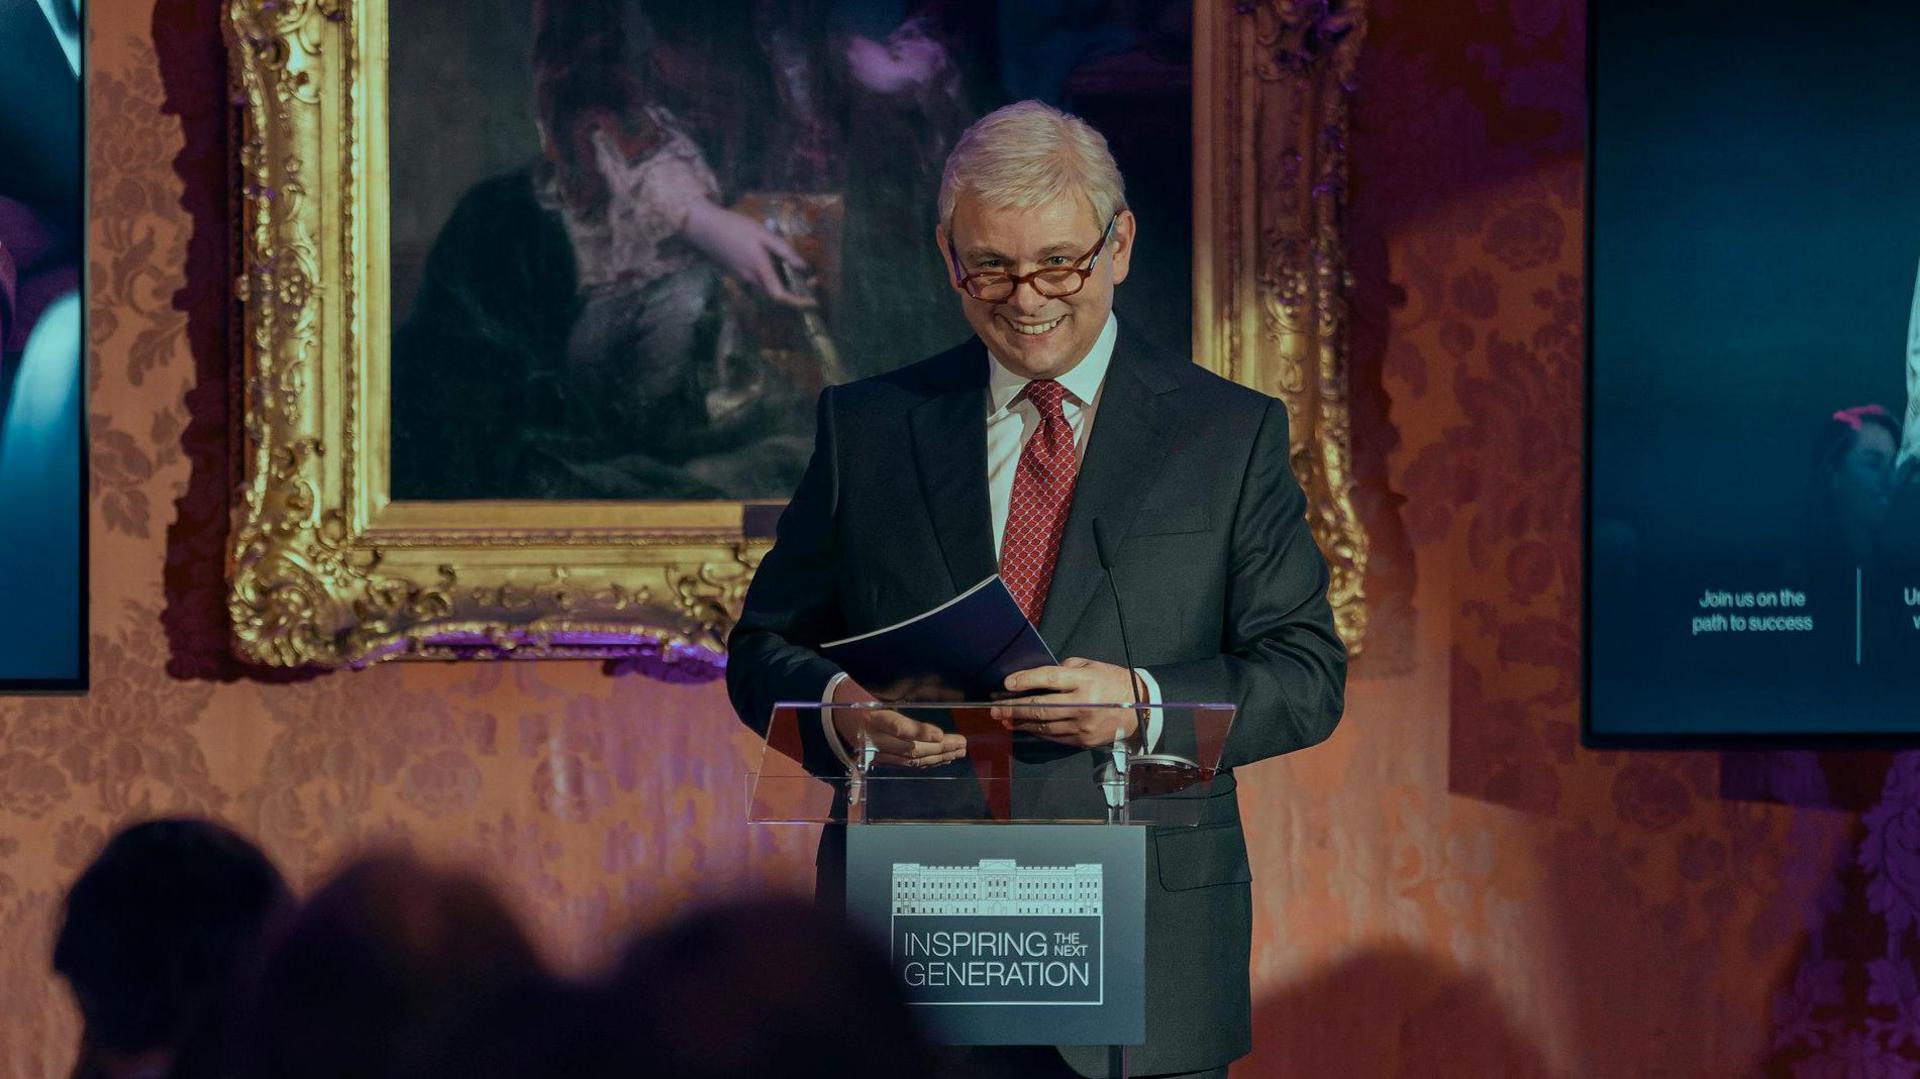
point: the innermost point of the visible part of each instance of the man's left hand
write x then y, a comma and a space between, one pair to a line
1074, 681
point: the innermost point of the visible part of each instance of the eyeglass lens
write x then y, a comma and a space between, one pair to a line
1052, 284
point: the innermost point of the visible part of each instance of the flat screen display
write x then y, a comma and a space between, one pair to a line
1754, 372
42, 384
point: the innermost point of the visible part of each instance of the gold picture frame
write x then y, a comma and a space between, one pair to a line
326, 569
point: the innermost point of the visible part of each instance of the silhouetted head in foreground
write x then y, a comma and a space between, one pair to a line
386, 966
152, 934
755, 988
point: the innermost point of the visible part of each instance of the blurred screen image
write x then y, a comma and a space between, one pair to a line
42, 394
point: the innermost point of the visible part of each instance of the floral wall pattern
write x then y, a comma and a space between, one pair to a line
1450, 886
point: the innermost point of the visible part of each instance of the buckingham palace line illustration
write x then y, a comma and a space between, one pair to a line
997, 886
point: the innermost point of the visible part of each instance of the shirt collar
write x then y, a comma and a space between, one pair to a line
1083, 382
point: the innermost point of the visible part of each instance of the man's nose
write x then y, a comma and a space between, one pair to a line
1026, 299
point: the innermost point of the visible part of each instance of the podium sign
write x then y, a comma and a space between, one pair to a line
1014, 934
1010, 885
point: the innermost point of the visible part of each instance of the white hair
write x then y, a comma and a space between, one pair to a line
1028, 154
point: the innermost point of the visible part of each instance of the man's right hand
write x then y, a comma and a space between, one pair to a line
901, 742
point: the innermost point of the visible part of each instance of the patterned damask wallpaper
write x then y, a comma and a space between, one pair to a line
1450, 886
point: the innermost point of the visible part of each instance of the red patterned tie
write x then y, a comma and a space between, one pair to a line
1042, 492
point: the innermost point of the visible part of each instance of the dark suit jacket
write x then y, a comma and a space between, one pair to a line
1223, 589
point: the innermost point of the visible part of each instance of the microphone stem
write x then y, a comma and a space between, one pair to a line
1106, 552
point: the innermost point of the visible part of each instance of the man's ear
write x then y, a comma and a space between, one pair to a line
941, 249
1120, 248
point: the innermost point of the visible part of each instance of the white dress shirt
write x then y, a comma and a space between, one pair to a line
1011, 420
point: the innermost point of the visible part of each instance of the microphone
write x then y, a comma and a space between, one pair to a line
1106, 547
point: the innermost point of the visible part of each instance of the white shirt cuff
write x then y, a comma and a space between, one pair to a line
1151, 736
826, 721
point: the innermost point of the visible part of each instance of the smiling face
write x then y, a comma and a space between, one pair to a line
1033, 335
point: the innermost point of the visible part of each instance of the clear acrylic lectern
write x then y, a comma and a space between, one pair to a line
989, 849
1006, 775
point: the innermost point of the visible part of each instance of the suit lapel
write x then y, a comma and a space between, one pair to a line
949, 432
1124, 454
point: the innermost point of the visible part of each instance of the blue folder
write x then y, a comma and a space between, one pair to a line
962, 650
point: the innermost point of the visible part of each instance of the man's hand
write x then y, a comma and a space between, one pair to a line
901, 742
1074, 681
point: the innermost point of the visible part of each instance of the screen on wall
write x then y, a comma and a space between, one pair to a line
42, 395
1754, 371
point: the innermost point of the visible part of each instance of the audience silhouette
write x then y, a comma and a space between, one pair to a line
154, 934
755, 988
384, 960
191, 960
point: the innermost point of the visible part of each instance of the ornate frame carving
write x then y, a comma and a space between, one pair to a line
1272, 79
325, 569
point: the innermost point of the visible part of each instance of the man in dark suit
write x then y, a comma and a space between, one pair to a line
926, 480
